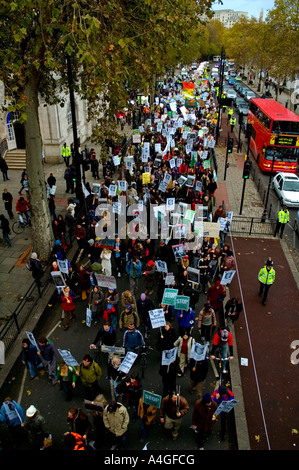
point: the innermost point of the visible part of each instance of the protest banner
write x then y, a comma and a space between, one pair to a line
128, 362
157, 317
227, 277
161, 266
225, 406
169, 296
182, 302
106, 281
198, 351
168, 356
68, 358
152, 399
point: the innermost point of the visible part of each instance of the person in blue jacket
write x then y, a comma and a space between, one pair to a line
134, 271
30, 357
13, 415
186, 320
133, 339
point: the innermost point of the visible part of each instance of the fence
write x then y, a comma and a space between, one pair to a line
252, 226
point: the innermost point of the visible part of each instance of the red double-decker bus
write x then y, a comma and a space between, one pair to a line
274, 134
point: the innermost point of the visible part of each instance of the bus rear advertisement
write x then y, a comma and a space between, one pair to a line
274, 134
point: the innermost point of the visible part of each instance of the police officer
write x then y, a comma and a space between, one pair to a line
232, 122
282, 219
66, 153
266, 278
230, 112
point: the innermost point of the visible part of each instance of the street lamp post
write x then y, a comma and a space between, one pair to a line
220, 91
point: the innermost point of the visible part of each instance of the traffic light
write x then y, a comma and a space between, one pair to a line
230, 145
73, 173
246, 169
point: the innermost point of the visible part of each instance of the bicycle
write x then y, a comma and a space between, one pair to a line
221, 360
19, 226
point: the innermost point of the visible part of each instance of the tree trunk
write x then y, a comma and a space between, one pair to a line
42, 233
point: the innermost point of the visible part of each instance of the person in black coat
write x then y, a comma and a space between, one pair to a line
198, 375
4, 225
7, 199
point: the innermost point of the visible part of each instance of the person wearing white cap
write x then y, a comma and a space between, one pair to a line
35, 427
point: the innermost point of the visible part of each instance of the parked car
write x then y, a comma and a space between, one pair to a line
286, 186
237, 86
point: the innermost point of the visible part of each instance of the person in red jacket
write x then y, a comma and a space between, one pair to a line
223, 340
22, 208
216, 295
68, 306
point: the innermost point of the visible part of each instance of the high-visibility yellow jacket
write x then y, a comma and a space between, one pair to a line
232, 121
230, 111
283, 216
66, 151
265, 276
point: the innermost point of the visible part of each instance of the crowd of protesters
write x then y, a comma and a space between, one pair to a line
175, 146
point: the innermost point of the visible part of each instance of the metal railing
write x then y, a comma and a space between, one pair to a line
252, 226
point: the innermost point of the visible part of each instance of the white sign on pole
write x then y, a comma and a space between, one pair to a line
157, 317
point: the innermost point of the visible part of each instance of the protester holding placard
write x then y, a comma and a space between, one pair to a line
184, 343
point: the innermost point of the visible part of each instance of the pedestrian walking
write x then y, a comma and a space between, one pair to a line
131, 390
106, 261
116, 421
216, 295
283, 218
68, 303
111, 303
78, 422
134, 271
186, 320
128, 317
222, 393
51, 180
169, 375
70, 186
52, 206
144, 305
35, 266
206, 322
95, 302
7, 199
13, 415
47, 354
173, 408
5, 227
166, 338
232, 309
90, 373
66, 154
203, 418
66, 379
30, 358
266, 277
184, 344
22, 179
232, 123
198, 375
36, 428
4, 169
133, 339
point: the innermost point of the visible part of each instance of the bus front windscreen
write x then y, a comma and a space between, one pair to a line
282, 154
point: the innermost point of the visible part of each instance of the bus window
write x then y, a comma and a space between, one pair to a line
283, 154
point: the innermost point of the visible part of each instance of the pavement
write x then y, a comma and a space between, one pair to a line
262, 374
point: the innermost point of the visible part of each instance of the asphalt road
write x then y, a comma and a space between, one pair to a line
52, 405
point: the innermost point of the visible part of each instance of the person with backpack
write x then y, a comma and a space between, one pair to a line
13, 415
